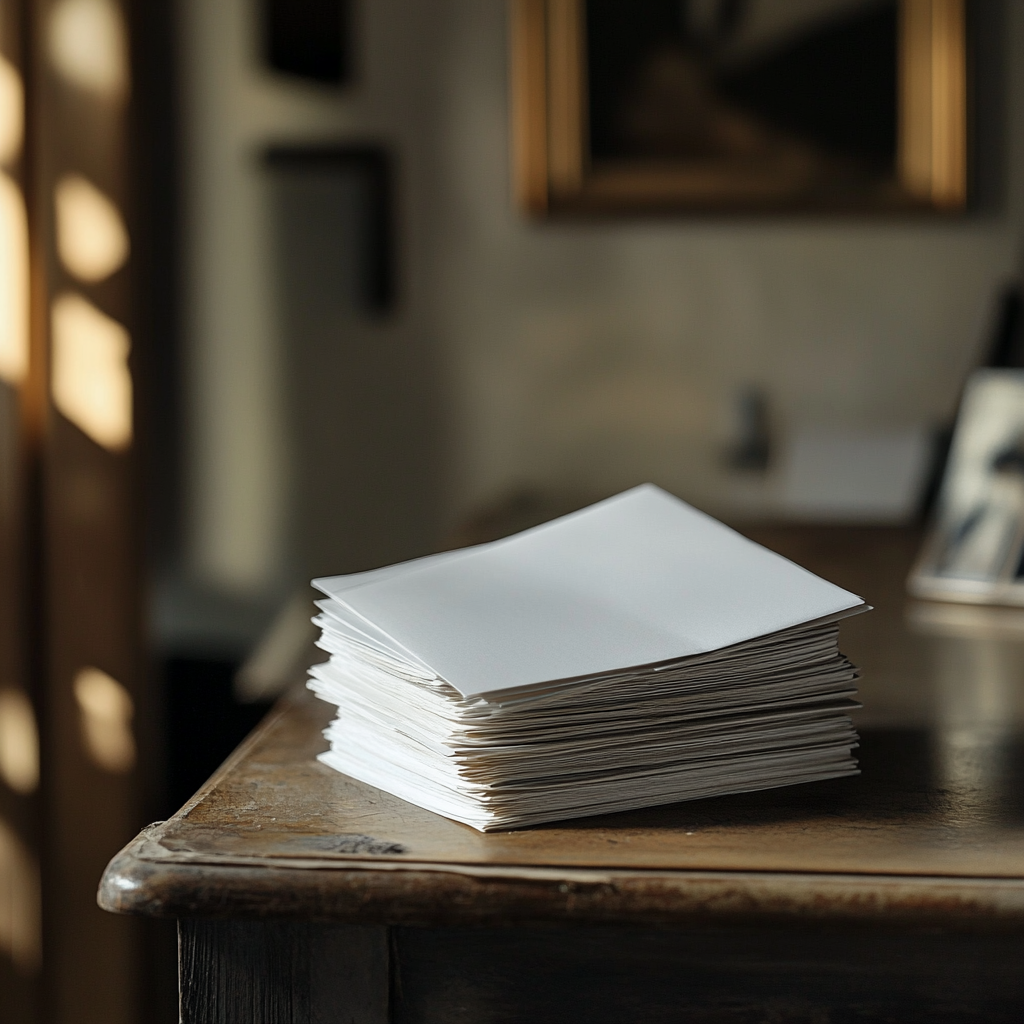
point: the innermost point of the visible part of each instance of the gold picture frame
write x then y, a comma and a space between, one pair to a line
553, 171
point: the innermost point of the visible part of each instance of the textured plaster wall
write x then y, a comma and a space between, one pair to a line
582, 356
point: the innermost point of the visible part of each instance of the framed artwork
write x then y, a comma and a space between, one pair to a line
627, 106
336, 200
975, 550
308, 39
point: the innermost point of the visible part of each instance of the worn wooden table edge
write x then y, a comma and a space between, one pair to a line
146, 878
141, 881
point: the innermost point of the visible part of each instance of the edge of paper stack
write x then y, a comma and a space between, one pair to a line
634, 653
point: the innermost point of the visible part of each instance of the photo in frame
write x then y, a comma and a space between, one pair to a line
975, 549
739, 105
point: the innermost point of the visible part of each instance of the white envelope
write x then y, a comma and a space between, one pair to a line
637, 580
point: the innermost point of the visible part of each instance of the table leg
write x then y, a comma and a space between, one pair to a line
282, 972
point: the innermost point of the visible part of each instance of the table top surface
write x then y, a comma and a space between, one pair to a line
932, 829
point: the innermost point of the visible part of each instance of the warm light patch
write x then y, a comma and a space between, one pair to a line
13, 283
19, 742
91, 382
20, 916
106, 708
91, 237
88, 46
12, 111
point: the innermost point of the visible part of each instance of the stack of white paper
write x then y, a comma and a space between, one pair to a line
634, 653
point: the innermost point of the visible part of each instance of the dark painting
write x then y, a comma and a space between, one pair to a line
815, 91
308, 39
657, 105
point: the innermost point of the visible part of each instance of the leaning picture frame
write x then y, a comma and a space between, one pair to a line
728, 153
974, 551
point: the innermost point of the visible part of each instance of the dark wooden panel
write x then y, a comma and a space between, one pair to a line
20, 950
91, 545
238, 972
711, 976
93, 611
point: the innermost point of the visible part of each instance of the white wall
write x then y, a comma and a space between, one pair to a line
600, 354
238, 459
583, 356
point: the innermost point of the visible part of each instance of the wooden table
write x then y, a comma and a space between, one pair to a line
896, 895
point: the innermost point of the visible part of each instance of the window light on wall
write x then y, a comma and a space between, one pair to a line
20, 916
91, 382
88, 47
92, 240
106, 710
12, 112
19, 742
13, 283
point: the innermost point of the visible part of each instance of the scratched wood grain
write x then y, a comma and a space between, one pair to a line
242, 972
712, 975
295, 972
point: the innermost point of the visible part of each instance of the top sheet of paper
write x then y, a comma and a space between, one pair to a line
635, 580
